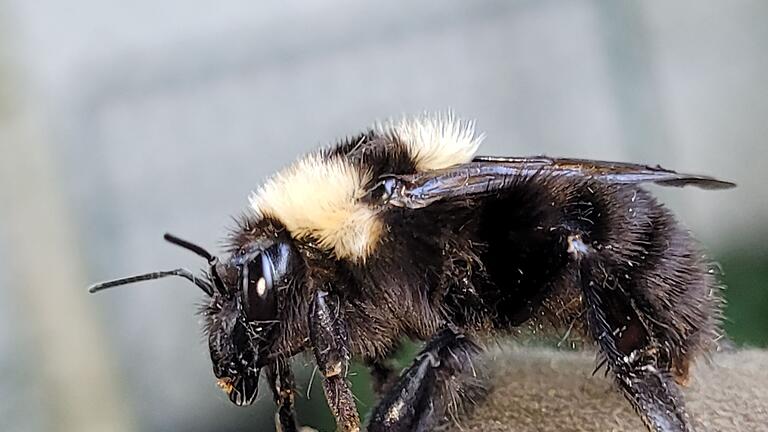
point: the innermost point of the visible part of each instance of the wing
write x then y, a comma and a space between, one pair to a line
488, 174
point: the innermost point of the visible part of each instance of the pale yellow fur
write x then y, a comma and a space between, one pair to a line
318, 198
435, 140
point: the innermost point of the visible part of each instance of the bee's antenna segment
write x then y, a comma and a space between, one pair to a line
190, 246
186, 274
199, 250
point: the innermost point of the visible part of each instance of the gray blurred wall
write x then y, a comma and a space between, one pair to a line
155, 116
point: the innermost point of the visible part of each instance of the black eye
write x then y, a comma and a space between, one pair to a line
258, 293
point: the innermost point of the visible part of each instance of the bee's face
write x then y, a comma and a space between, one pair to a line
242, 321
246, 295
233, 354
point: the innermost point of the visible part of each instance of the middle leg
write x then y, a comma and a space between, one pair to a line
440, 381
283, 388
383, 376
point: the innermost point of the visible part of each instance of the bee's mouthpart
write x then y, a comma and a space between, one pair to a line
225, 384
242, 391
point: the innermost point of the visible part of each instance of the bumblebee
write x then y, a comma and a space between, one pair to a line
402, 232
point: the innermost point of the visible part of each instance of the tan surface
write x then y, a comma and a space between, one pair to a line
540, 390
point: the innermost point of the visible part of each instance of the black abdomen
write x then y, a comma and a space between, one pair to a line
643, 262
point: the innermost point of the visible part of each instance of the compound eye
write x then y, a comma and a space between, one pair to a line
259, 300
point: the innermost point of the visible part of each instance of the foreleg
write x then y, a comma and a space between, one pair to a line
328, 335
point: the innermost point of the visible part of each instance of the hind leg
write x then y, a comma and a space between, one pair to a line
638, 360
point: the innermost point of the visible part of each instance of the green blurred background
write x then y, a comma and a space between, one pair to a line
119, 121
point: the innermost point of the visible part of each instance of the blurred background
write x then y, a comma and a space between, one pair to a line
122, 120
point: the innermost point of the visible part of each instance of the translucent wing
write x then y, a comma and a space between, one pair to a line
487, 174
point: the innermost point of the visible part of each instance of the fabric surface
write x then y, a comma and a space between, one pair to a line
543, 390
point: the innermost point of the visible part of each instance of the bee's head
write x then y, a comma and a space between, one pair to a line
241, 314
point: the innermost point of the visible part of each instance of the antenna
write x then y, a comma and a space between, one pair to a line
181, 272
199, 250
186, 274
